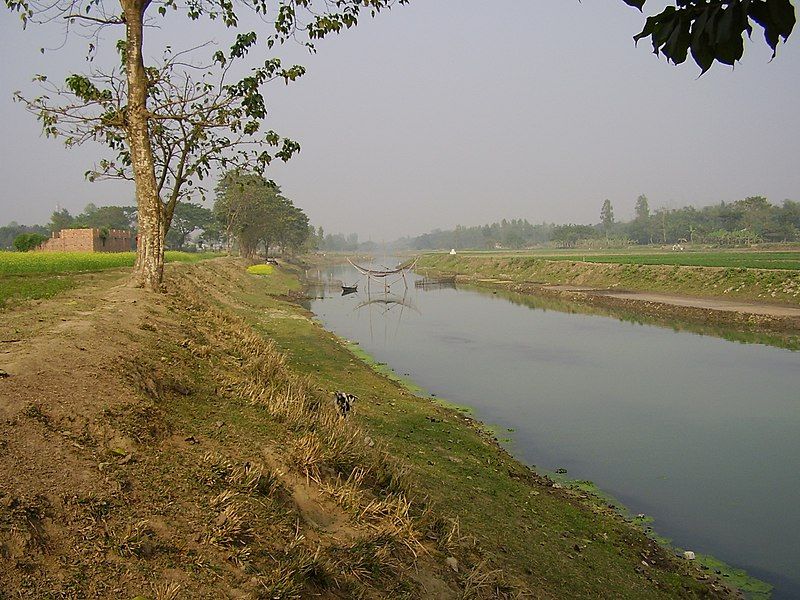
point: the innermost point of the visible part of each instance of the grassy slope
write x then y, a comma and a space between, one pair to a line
733, 283
786, 260
561, 545
744, 260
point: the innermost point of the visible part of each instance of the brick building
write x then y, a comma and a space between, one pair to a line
88, 240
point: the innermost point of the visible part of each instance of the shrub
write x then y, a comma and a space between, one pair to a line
28, 241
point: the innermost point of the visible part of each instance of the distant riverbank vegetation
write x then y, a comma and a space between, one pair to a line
752, 220
250, 216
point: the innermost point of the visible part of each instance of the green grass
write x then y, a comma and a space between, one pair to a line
15, 288
21, 263
741, 260
732, 259
38, 275
641, 272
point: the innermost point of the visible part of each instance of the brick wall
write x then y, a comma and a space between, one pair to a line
88, 240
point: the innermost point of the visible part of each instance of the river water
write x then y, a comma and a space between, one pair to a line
701, 433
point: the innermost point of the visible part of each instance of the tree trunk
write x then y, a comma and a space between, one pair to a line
148, 271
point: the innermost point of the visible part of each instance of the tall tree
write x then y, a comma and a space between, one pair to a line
639, 229
61, 219
168, 124
254, 213
642, 208
186, 218
111, 217
607, 216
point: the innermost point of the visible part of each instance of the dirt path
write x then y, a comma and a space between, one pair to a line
750, 308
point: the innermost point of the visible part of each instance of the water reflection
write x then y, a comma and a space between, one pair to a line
383, 301
787, 340
435, 283
345, 281
388, 302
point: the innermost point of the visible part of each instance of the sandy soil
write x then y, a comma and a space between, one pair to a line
752, 308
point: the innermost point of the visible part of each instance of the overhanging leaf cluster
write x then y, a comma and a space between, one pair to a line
713, 30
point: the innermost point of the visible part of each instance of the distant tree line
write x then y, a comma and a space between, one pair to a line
744, 222
516, 233
9, 233
749, 221
250, 215
339, 242
334, 242
188, 218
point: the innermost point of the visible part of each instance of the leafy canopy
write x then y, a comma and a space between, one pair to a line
253, 211
26, 242
713, 30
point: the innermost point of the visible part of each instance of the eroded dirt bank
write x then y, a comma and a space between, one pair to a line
186, 446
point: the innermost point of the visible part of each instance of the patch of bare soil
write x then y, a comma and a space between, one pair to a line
748, 308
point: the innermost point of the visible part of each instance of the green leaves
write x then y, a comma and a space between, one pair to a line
243, 43
83, 88
713, 30
22, 7
253, 210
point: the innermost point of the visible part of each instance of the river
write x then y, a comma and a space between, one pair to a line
700, 433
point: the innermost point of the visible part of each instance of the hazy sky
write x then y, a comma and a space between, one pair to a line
466, 112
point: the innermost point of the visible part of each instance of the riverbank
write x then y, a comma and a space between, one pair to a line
733, 299
186, 445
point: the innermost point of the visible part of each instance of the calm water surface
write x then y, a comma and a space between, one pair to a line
701, 433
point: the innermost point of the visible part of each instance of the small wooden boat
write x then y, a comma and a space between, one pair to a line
349, 289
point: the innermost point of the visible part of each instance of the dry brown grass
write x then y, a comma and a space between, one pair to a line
133, 539
230, 525
299, 566
166, 591
482, 583
396, 532
248, 478
258, 373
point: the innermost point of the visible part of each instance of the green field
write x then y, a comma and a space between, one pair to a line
743, 259
35, 275
20, 263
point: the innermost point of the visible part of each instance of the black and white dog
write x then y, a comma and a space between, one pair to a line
344, 402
